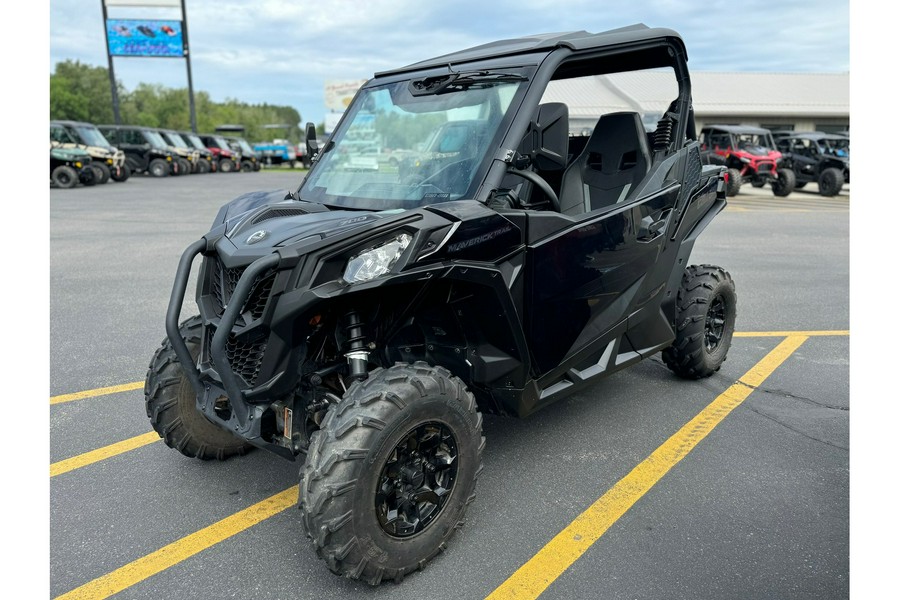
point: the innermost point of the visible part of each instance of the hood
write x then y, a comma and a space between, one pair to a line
260, 220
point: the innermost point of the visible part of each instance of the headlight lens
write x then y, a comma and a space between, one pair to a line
377, 261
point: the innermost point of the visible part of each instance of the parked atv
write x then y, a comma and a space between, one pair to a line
817, 157
249, 159
145, 150
228, 160
205, 153
107, 162
70, 166
365, 322
749, 155
187, 157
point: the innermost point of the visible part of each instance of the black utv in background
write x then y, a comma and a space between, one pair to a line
145, 150
205, 153
365, 321
820, 158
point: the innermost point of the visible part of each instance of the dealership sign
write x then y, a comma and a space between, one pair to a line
144, 37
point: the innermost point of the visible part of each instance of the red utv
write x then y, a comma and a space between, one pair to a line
749, 154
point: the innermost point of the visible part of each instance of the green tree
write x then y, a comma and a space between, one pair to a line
81, 92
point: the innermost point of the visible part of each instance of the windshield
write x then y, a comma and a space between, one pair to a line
401, 149
195, 141
221, 143
176, 140
754, 141
835, 146
243, 145
91, 136
155, 139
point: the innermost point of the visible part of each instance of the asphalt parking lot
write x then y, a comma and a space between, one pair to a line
643, 486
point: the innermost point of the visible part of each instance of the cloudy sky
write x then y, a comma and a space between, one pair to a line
282, 52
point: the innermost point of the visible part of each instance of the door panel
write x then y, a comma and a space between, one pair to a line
587, 279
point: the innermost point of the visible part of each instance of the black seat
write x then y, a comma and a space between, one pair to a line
614, 161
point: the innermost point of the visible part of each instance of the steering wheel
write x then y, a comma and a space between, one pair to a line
540, 182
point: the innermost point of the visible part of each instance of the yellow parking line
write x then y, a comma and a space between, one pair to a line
180, 550
89, 458
126, 387
532, 578
790, 333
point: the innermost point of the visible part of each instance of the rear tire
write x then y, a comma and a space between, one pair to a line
159, 168
785, 183
64, 177
799, 185
757, 182
830, 182
704, 322
733, 186
389, 475
171, 404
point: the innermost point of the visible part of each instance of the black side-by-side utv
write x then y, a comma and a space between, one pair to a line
363, 322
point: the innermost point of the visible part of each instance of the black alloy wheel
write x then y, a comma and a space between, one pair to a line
416, 480
715, 323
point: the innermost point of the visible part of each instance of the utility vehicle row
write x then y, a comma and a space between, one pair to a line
88, 154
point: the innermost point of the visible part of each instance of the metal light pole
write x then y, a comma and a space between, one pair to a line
187, 58
112, 72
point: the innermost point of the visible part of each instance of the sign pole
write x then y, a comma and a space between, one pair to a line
187, 58
112, 72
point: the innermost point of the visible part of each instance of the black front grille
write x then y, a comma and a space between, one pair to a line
245, 358
224, 282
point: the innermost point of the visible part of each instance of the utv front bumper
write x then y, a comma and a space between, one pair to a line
224, 365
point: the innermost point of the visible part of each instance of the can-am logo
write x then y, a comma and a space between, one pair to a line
257, 236
485, 237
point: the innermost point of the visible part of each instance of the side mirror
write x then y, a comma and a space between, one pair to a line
312, 146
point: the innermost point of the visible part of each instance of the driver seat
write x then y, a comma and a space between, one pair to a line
614, 161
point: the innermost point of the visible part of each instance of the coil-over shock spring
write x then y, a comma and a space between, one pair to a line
355, 347
662, 137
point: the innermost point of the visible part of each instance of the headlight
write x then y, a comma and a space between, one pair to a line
376, 261
744, 159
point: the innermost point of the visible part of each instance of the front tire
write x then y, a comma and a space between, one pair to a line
830, 182
785, 183
184, 166
246, 166
64, 176
733, 186
159, 168
389, 475
171, 404
704, 322
101, 172
122, 174
226, 165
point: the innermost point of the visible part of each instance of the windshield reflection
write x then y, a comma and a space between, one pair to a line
394, 149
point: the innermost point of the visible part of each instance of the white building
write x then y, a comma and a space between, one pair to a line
797, 101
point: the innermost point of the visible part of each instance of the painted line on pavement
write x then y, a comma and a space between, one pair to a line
536, 575
182, 549
126, 387
89, 458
